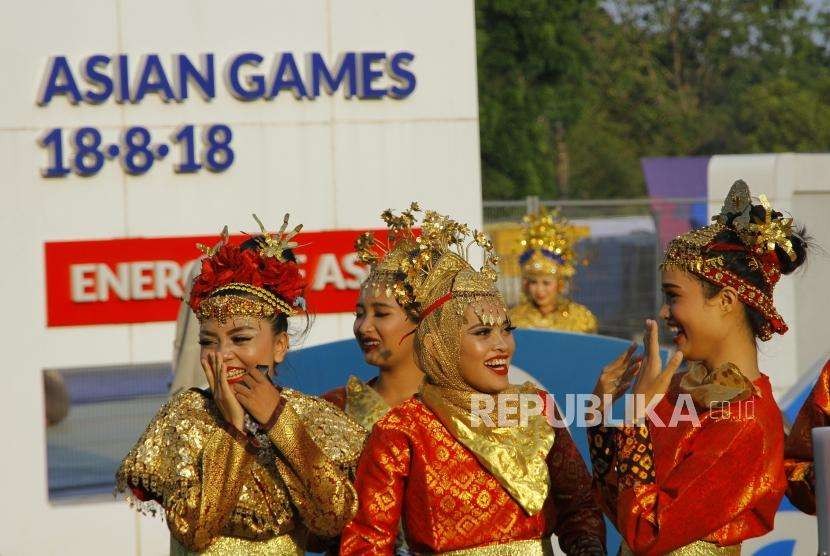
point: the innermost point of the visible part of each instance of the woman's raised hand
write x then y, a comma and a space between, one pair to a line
616, 377
654, 379
217, 377
257, 395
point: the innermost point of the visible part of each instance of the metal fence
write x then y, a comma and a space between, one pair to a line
619, 280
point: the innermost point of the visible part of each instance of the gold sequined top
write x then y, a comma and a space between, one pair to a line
569, 316
219, 488
363, 403
359, 400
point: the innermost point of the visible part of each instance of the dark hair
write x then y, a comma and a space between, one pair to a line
746, 267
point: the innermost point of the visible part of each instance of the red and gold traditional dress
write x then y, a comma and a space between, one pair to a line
693, 489
459, 485
412, 467
798, 449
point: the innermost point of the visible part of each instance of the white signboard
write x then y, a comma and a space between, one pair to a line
124, 120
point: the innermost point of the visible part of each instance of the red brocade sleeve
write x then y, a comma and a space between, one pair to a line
381, 475
798, 449
722, 476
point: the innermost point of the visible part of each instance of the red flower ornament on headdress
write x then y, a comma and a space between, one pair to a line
264, 273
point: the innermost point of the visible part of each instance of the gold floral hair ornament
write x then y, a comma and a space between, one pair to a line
547, 245
439, 268
211, 251
385, 258
701, 252
408, 265
276, 245
258, 282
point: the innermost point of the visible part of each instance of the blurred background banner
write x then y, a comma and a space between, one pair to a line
121, 281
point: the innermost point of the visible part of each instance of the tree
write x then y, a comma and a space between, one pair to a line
634, 78
531, 58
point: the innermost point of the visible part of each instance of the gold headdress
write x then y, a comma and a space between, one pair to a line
701, 251
385, 259
414, 268
548, 245
251, 282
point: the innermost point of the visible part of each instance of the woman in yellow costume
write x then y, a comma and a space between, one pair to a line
548, 264
462, 481
246, 467
382, 328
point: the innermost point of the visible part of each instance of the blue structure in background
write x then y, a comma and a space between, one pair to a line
564, 363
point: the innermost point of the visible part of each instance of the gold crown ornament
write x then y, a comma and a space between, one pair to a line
415, 267
547, 245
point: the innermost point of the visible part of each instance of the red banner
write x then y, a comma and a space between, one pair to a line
133, 280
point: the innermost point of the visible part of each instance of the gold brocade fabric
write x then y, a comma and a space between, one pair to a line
718, 479
413, 469
284, 545
724, 384
697, 548
211, 485
536, 547
363, 403
568, 316
514, 455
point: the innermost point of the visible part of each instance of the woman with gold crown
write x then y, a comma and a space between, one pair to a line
442, 461
716, 478
246, 467
384, 330
382, 327
547, 263
798, 449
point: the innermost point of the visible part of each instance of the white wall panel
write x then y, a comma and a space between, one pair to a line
334, 163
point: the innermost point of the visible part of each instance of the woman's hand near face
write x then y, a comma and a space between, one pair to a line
257, 395
217, 377
617, 376
653, 380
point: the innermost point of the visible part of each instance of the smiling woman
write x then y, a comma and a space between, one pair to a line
703, 488
485, 351
455, 483
383, 328
246, 467
548, 262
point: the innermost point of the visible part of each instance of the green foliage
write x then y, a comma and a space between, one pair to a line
631, 78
